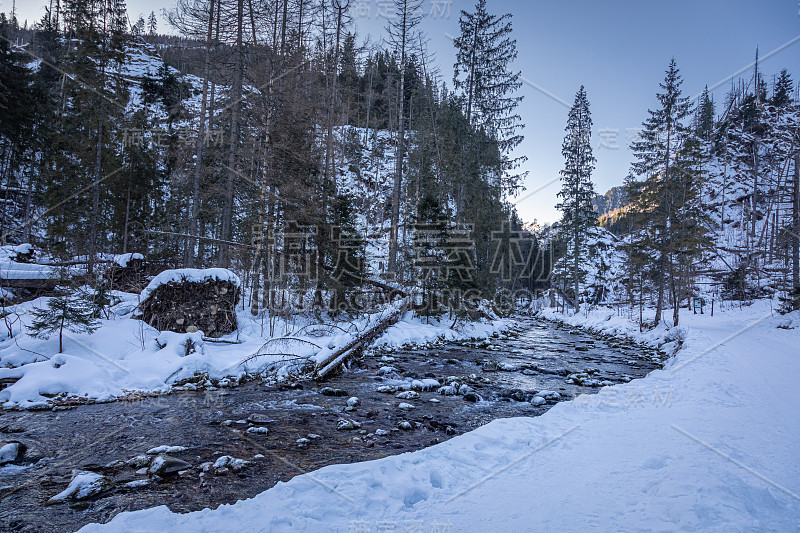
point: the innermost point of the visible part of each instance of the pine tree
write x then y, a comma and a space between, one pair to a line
784, 90
152, 24
689, 239
577, 190
348, 254
73, 312
705, 118
138, 28
86, 150
653, 199
430, 256
17, 115
483, 77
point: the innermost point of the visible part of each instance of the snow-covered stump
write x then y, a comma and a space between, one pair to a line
24, 253
127, 272
190, 300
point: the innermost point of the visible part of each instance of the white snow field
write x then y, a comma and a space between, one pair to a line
709, 443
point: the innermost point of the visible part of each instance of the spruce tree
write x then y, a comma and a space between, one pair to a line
402, 31
689, 239
138, 28
87, 149
485, 80
653, 199
74, 312
577, 189
430, 254
348, 254
152, 24
16, 109
784, 90
705, 116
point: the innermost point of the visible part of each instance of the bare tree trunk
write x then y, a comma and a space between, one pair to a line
127, 217
795, 229
194, 258
236, 97
400, 155
93, 220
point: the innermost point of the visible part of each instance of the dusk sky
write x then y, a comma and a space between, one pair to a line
618, 49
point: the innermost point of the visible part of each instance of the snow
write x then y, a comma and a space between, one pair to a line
9, 452
23, 249
165, 449
126, 356
83, 485
123, 259
12, 270
417, 330
196, 275
707, 443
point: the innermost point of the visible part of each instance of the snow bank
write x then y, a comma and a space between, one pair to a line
416, 330
12, 270
707, 443
126, 355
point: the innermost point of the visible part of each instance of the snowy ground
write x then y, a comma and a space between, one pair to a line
126, 356
708, 443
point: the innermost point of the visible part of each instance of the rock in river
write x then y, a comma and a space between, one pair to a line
11, 452
330, 391
83, 485
164, 465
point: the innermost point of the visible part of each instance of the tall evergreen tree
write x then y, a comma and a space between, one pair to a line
784, 90
577, 190
483, 76
402, 31
654, 199
688, 240
152, 24
705, 116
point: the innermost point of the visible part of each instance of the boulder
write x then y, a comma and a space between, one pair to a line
11, 452
84, 485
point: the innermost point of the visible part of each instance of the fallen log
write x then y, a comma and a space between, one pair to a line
393, 291
7, 382
337, 358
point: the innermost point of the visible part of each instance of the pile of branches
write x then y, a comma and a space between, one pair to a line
191, 306
129, 278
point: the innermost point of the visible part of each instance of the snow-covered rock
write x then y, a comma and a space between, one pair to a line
164, 465
83, 485
165, 449
10, 452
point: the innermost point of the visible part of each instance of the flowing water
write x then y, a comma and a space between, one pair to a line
502, 377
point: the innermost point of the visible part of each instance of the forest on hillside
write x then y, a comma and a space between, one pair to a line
261, 129
271, 140
709, 209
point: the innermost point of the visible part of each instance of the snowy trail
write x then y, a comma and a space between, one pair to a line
711, 444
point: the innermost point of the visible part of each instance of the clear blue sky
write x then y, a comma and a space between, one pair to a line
618, 49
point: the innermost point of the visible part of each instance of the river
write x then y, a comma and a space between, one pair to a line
497, 379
